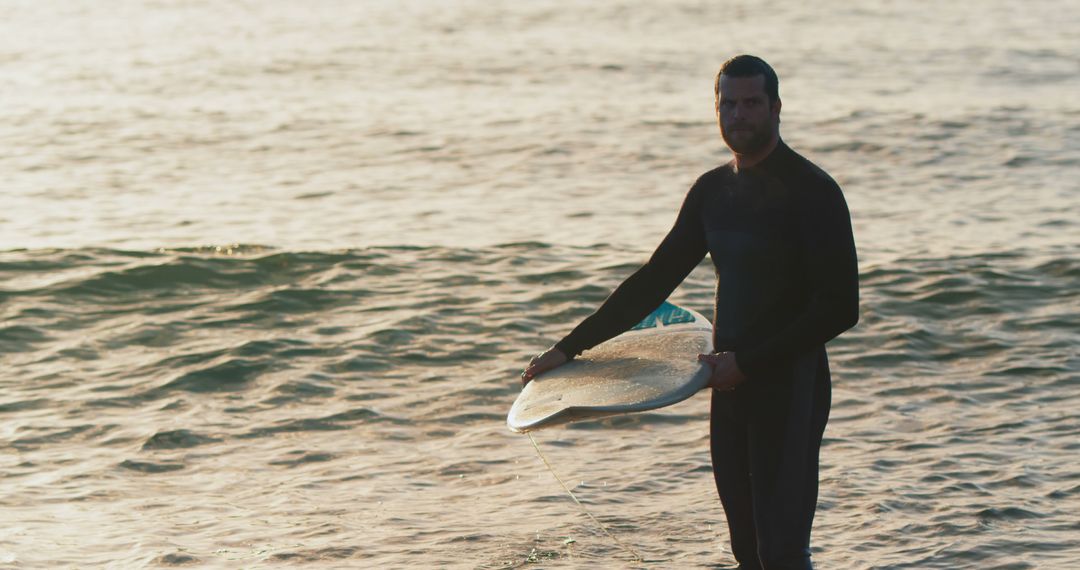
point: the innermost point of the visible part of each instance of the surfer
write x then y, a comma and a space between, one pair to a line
778, 232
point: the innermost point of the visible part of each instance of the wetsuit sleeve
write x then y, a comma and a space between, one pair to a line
831, 275
677, 255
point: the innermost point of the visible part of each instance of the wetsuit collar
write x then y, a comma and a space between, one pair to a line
778, 155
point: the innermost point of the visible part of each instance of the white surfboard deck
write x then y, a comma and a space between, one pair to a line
650, 366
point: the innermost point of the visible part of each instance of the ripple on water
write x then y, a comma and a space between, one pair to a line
232, 375
312, 556
303, 459
151, 467
22, 338
334, 422
177, 559
177, 439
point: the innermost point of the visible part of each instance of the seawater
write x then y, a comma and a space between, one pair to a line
269, 271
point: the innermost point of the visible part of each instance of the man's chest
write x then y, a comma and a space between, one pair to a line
750, 217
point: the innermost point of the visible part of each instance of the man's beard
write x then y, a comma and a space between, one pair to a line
758, 140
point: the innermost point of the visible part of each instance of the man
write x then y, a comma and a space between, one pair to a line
779, 235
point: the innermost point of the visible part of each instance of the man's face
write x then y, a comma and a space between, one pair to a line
747, 121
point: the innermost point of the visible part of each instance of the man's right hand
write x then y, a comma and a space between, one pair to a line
550, 358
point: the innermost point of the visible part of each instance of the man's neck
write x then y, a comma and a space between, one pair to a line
750, 159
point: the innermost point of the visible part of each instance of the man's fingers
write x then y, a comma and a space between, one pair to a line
530, 373
541, 363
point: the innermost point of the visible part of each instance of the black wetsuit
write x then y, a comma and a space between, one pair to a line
779, 235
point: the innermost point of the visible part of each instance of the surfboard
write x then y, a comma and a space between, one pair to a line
652, 365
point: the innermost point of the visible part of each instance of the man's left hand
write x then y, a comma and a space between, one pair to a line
726, 374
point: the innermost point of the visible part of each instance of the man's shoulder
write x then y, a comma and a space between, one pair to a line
816, 188
717, 175
805, 169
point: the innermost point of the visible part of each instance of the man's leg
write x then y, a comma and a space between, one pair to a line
731, 470
784, 443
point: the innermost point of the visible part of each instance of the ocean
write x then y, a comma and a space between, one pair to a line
269, 272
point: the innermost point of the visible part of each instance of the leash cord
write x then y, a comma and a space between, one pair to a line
629, 550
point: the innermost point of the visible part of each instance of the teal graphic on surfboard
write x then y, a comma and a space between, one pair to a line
665, 315
652, 365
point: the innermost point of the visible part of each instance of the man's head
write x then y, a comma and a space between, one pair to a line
748, 104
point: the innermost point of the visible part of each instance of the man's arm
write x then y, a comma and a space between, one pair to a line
641, 293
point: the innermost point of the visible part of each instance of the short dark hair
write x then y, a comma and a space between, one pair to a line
750, 66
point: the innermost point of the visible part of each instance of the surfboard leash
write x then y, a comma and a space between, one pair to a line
630, 551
